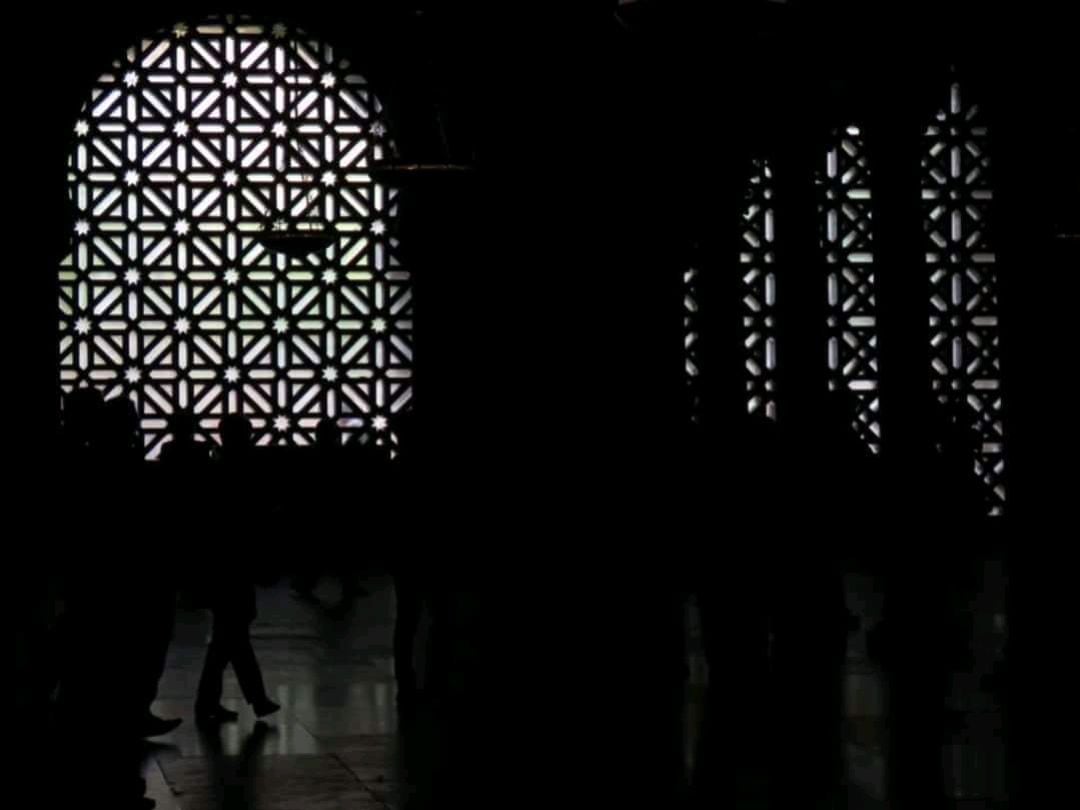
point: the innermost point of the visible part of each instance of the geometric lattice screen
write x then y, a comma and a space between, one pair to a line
757, 258
191, 149
965, 360
846, 241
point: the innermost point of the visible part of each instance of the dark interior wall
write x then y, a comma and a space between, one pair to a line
605, 149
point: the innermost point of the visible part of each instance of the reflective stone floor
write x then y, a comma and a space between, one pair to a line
333, 744
338, 741
973, 754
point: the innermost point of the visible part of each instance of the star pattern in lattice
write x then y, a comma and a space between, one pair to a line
757, 257
846, 241
190, 148
957, 200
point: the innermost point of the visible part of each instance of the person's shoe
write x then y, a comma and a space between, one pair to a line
154, 726
264, 707
215, 716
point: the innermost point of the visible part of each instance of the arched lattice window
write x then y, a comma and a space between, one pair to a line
231, 251
846, 240
756, 258
957, 198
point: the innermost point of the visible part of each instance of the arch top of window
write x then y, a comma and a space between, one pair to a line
230, 52
244, 103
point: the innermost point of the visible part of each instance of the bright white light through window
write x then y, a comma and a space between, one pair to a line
194, 145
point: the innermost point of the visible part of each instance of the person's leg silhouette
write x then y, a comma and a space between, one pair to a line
208, 708
409, 604
154, 618
248, 673
230, 643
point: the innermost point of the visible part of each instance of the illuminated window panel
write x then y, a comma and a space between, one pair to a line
231, 252
846, 241
757, 259
957, 198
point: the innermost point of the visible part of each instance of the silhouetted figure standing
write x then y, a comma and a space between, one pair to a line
82, 421
237, 442
772, 608
152, 599
119, 432
188, 498
414, 590
184, 452
78, 448
736, 599
826, 472
337, 472
241, 485
103, 665
921, 639
232, 602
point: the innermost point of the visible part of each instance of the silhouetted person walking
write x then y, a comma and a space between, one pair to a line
232, 603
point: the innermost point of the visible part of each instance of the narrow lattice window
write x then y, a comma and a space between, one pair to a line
231, 251
692, 338
846, 241
957, 199
757, 259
